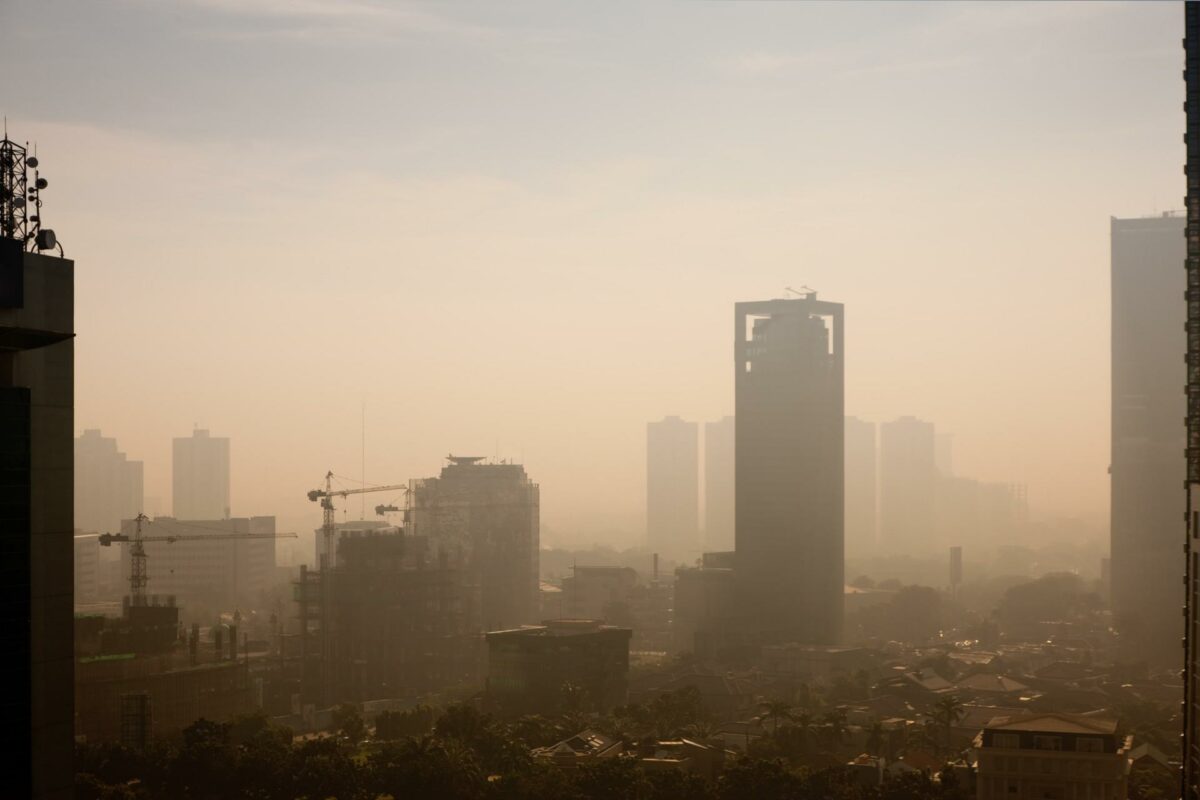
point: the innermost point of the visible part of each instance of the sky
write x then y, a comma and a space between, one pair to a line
518, 229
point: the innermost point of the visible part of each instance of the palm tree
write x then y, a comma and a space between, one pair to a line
875, 739
776, 710
947, 712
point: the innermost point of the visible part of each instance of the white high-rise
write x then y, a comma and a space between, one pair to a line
200, 477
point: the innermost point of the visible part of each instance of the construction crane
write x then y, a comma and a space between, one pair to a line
326, 496
137, 551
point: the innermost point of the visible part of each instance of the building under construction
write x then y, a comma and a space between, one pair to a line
394, 616
491, 512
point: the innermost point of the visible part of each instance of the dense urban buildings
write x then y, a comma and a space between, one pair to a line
860, 486
37, 375
1051, 755
200, 476
789, 365
673, 488
108, 485
907, 485
1147, 466
719, 438
530, 668
489, 512
207, 572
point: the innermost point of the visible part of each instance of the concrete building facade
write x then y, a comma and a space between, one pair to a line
207, 577
790, 501
719, 439
108, 485
37, 377
1147, 467
861, 496
1056, 756
490, 513
673, 487
200, 476
907, 486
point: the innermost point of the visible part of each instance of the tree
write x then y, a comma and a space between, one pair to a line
775, 710
349, 722
947, 712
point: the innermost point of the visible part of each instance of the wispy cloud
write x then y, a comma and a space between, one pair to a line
340, 20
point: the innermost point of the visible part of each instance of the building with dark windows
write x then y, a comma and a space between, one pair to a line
200, 476
1058, 756
529, 667
789, 507
1147, 466
37, 399
673, 488
1190, 783
489, 512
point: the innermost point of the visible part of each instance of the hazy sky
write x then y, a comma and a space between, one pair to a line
520, 227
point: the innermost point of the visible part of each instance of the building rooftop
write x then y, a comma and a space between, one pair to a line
1053, 723
560, 627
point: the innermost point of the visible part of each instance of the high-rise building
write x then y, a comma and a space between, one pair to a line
1147, 465
673, 488
860, 486
37, 394
719, 438
1190, 774
907, 484
789, 370
489, 512
108, 486
200, 476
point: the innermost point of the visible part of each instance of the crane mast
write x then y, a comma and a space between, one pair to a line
138, 576
326, 495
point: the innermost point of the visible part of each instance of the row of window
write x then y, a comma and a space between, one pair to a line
1083, 744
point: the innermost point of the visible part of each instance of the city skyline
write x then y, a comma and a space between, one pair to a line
799, 222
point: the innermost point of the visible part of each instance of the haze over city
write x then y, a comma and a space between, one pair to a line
517, 230
550, 401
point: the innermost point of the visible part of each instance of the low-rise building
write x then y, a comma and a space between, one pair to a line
1051, 756
584, 748
528, 667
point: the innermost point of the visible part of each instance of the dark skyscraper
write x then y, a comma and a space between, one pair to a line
37, 408
673, 487
789, 366
1147, 464
1190, 789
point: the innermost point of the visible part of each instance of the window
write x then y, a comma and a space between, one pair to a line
1089, 744
1010, 741
1047, 742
